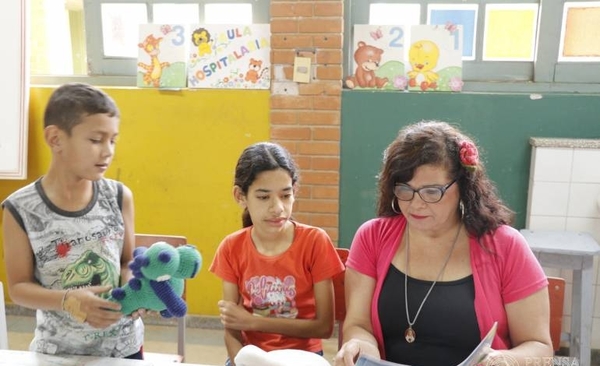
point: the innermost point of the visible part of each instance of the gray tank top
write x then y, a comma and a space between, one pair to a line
73, 250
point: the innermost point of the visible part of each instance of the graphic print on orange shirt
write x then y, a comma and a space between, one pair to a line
272, 296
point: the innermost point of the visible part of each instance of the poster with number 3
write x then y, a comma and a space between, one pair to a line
162, 56
378, 53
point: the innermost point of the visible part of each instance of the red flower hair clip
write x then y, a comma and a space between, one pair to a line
469, 157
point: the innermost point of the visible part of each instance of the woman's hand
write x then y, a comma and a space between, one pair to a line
348, 354
497, 358
234, 316
85, 306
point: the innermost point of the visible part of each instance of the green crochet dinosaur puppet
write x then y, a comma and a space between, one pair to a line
159, 272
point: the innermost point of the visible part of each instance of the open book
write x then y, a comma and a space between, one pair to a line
474, 358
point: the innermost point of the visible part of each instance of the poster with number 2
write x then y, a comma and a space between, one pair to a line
416, 58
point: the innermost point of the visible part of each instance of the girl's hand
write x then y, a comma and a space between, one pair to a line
234, 316
85, 306
348, 354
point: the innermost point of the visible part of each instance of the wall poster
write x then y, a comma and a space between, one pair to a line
230, 56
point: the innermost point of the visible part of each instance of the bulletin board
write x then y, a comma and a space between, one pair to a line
14, 89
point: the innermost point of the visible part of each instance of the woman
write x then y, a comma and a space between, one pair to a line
426, 280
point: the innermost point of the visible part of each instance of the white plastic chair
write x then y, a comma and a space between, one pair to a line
3, 331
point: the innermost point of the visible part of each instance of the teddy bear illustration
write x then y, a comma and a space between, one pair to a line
368, 59
255, 71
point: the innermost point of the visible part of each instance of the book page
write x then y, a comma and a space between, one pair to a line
482, 349
474, 358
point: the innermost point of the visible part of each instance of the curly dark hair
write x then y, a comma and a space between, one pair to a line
437, 143
258, 158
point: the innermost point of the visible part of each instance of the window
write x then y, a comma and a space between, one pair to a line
509, 32
96, 40
579, 49
534, 44
117, 21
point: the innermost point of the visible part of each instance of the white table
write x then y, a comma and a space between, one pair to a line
575, 251
26, 358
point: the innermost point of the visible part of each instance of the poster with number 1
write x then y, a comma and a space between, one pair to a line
414, 58
162, 56
435, 58
378, 53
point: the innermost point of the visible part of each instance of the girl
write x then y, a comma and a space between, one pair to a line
277, 273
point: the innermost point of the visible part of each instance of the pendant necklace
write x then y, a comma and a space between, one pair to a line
409, 333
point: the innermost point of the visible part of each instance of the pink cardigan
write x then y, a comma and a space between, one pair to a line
508, 273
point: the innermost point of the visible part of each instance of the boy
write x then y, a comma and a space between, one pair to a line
69, 236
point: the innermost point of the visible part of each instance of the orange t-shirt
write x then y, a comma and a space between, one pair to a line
278, 286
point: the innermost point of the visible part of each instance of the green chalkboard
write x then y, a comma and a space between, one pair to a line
501, 124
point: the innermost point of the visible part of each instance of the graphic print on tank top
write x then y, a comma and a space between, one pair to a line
90, 257
272, 296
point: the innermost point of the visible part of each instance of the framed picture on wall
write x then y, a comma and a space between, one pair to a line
510, 32
14, 89
579, 32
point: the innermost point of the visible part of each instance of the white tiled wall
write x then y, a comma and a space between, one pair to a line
564, 194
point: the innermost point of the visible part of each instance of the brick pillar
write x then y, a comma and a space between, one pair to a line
305, 118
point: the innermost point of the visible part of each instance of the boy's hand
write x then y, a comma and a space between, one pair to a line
143, 312
85, 306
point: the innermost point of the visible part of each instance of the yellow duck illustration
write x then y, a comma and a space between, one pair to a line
423, 57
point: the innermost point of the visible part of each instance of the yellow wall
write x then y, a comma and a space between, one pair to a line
177, 152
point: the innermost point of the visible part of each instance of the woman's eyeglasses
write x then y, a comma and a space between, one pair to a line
404, 192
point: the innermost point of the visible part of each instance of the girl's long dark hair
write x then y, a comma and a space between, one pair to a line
258, 158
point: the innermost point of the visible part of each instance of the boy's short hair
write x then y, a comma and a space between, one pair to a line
72, 101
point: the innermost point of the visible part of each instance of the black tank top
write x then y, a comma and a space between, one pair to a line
446, 329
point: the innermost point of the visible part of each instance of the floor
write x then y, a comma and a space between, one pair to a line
202, 345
